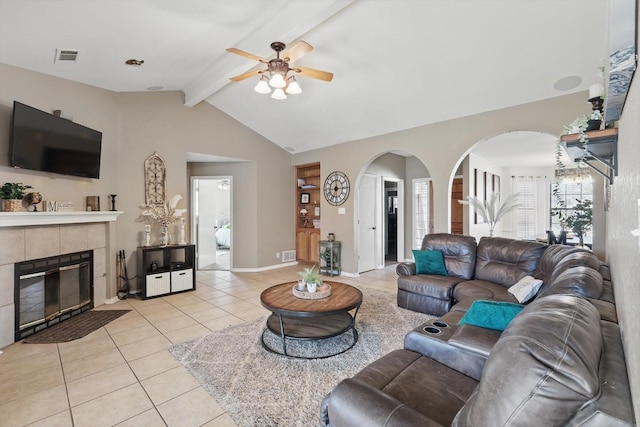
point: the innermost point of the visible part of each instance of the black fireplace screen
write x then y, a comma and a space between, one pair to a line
50, 290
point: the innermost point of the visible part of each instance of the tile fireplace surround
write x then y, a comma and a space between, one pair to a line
31, 235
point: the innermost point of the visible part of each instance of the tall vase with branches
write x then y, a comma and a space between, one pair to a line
492, 210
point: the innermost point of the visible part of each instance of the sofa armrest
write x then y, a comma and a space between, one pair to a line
356, 403
453, 347
406, 269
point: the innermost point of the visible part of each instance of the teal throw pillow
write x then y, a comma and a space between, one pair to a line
430, 262
491, 314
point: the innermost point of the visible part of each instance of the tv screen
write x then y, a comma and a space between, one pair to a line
44, 142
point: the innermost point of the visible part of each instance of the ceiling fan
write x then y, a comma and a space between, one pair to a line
275, 76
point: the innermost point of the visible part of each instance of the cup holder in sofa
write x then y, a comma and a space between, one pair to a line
432, 330
440, 324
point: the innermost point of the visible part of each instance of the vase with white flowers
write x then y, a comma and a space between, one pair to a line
164, 215
492, 210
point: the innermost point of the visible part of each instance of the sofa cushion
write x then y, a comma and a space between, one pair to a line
430, 262
584, 282
550, 257
544, 367
411, 380
505, 261
583, 258
525, 289
491, 314
480, 289
459, 252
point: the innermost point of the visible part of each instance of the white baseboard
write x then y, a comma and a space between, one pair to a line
268, 267
112, 300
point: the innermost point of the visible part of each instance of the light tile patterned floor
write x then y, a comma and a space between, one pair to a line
123, 374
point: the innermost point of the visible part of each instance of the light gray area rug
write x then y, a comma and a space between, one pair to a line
258, 388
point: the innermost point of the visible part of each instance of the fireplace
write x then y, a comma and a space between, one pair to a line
50, 290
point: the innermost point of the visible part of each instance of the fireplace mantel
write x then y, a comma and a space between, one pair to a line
18, 219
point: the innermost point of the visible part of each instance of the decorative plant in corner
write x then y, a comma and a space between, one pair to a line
581, 219
492, 210
13, 192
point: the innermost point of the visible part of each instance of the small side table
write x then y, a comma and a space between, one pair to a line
329, 257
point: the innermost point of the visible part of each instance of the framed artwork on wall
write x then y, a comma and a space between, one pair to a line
304, 198
155, 174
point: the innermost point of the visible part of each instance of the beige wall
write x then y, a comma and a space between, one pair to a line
439, 147
623, 249
134, 125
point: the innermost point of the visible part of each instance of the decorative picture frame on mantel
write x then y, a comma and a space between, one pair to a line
155, 173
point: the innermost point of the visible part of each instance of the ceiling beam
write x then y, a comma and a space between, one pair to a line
295, 20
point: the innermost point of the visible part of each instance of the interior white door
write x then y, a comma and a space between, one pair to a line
367, 230
210, 218
206, 214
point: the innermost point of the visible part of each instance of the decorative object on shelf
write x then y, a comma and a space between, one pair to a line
165, 237
55, 206
165, 215
305, 198
596, 94
304, 212
153, 266
492, 210
275, 76
33, 199
336, 188
316, 210
147, 234
113, 201
183, 221
154, 180
12, 194
331, 237
580, 220
93, 203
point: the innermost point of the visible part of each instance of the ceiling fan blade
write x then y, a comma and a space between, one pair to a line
297, 51
245, 54
314, 74
246, 75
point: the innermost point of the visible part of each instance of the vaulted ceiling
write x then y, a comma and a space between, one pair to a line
398, 64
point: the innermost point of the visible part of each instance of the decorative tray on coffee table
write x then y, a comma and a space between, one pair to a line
311, 295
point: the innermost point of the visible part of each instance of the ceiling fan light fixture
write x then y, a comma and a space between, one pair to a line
262, 86
277, 81
279, 94
293, 88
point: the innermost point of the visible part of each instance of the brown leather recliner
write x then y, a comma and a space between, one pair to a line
433, 294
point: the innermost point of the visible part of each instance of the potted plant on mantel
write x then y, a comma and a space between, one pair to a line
11, 194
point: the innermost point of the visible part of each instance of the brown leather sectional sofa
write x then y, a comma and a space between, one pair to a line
560, 361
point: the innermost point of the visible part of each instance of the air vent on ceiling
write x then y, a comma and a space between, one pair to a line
66, 55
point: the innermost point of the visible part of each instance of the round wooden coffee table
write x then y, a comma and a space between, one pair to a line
305, 319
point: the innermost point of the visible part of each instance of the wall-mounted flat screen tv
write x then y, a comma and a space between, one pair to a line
44, 142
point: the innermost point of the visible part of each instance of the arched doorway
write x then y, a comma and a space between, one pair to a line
391, 207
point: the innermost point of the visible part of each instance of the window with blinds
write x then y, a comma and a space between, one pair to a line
526, 212
420, 210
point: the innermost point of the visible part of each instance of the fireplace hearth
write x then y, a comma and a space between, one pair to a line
50, 290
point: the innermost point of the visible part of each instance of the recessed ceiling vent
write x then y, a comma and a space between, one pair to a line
66, 55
